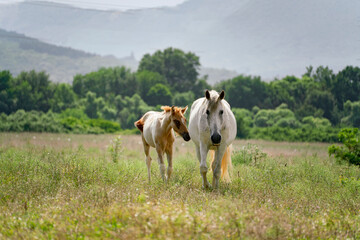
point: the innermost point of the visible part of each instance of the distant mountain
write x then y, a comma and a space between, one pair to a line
257, 37
20, 53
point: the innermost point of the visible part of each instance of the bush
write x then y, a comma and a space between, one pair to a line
95, 126
249, 154
302, 134
350, 152
243, 121
33, 121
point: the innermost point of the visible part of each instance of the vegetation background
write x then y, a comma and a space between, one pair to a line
62, 177
311, 108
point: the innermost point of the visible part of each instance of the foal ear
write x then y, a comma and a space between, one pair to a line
222, 95
173, 110
183, 111
207, 94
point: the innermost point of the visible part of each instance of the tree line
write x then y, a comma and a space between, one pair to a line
290, 108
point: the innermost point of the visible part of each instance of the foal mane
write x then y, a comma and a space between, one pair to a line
168, 109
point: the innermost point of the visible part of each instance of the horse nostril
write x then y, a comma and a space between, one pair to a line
216, 138
186, 136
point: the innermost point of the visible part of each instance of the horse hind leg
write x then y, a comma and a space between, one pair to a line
147, 157
161, 162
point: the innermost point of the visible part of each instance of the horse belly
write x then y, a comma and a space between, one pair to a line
149, 135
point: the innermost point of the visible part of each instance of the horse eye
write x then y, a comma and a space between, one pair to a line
177, 123
207, 112
221, 112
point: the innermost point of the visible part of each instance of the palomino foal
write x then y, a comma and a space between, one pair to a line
157, 131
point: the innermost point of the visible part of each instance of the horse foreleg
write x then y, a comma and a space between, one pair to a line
203, 150
160, 153
216, 165
169, 152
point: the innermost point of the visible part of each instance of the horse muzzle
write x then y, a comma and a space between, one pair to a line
216, 139
186, 136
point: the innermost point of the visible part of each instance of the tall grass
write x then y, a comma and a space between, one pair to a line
78, 192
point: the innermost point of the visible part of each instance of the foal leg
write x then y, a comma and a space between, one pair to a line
147, 157
169, 152
160, 152
202, 151
216, 166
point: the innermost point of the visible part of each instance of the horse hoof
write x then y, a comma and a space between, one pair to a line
206, 186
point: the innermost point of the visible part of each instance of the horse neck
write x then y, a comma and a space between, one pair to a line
165, 123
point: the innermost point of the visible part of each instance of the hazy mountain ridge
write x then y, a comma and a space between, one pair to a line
20, 53
257, 37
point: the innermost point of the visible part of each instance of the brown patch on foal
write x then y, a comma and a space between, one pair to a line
140, 124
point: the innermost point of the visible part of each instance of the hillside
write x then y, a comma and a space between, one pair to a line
20, 53
257, 37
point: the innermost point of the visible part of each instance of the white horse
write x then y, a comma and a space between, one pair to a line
212, 126
157, 131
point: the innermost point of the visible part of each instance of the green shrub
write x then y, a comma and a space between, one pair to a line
350, 152
249, 154
302, 134
116, 149
95, 126
32, 121
107, 126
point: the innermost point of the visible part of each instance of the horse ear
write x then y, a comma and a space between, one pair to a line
183, 111
222, 95
173, 110
207, 94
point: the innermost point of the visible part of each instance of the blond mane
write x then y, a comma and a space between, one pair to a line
168, 109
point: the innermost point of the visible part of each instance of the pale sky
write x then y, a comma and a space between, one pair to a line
111, 4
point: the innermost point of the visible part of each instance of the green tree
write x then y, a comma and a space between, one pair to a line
106, 82
243, 121
183, 99
33, 91
146, 80
200, 87
352, 114
64, 97
130, 109
6, 93
244, 91
159, 94
321, 99
179, 69
91, 108
347, 86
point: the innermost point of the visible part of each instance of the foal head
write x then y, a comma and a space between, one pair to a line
178, 121
214, 112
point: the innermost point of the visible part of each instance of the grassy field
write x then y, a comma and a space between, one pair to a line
66, 186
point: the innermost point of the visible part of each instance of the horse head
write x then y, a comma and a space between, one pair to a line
214, 113
178, 120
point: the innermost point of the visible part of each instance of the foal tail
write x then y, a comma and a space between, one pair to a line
140, 124
225, 163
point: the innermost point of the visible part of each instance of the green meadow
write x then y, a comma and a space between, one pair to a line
67, 186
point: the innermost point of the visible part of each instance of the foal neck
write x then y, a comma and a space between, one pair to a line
165, 124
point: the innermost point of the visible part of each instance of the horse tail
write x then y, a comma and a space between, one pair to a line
225, 163
139, 124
